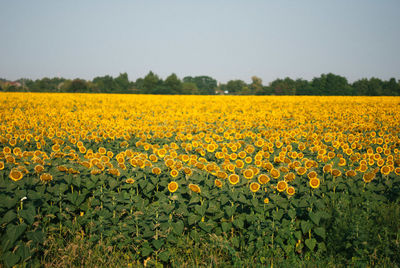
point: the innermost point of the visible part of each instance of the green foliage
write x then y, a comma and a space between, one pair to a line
326, 84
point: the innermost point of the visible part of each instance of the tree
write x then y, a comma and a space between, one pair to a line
151, 83
77, 85
285, 86
189, 88
331, 84
105, 83
173, 85
256, 84
122, 82
205, 84
360, 87
235, 86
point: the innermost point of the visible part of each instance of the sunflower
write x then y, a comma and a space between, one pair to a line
301, 171
45, 177
327, 168
102, 150
114, 171
211, 148
195, 188
368, 177
248, 174
130, 180
336, 173
248, 159
1, 165
242, 154
396, 170
263, 179
312, 174
290, 177
172, 186
314, 183
351, 173
233, 179
290, 190
268, 166
222, 174
275, 173
55, 148
174, 173
7, 150
385, 170
342, 162
10, 159
218, 183
281, 186
254, 187
266, 200
16, 175
62, 168
239, 163
187, 171
38, 168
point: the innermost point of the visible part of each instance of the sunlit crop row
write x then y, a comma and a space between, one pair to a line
267, 141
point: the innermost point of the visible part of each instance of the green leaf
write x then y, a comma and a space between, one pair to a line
238, 222
320, 231
292, 213
158, 244
178, 227
310, 243
306, 226
164, 256
13, 233
229, 211
206, 226
226, 226
8, 217
146, 250
315, 217
8, 202
201, 210
28, 215
10, 259
277, 215
192, 219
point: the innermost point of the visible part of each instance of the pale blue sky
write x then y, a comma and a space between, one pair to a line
224, 39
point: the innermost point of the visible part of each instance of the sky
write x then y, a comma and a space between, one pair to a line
226, 40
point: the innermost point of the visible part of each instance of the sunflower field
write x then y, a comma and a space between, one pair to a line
199, 180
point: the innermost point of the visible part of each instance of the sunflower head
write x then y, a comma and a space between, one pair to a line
172, 186
233, 179
195, 188
254, 187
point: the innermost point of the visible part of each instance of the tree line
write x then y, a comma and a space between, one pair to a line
324, 85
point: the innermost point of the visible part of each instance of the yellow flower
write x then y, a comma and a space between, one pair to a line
263, 179
248, 174
254, 187
195, 188
16, 175
233, 179
314, 183
174, 173
281, 186
266, 200
290, 190
275, 173
130, 180
172, 186
218, 183
45, 177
